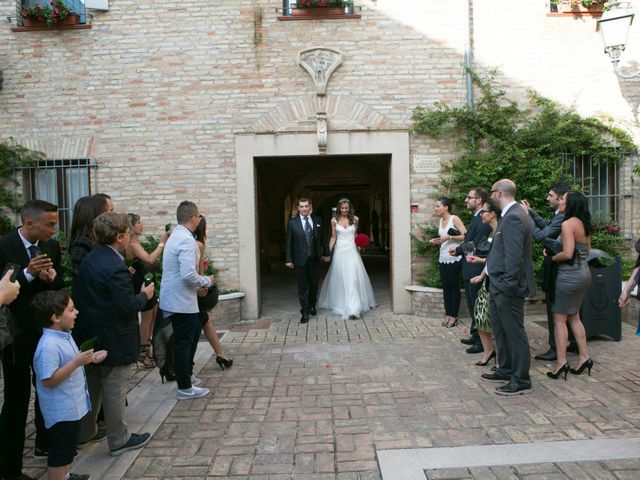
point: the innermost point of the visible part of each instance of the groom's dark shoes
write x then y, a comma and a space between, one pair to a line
549, 356
304, 319
512, 388
475, 349
313, 311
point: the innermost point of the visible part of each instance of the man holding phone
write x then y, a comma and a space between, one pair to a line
37, 255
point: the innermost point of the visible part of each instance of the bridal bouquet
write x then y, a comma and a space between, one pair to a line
362, 242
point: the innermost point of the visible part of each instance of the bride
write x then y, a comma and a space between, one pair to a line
346, 290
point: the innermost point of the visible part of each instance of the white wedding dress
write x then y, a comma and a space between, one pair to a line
346, 290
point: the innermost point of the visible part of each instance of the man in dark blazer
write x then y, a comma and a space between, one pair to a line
510, 269
31, 247
305, 246
476, 232
542, 229
108, 311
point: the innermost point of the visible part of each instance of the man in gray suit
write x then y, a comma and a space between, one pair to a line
510, 270
542, 229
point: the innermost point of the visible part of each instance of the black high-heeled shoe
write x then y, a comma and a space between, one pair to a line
455, 322
588, 364
563, 369
167, 374
484, 364
224, 362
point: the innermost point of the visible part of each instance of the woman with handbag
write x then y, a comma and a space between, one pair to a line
451, 232
489, 213
207, 300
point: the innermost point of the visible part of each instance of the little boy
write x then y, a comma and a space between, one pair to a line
60, 380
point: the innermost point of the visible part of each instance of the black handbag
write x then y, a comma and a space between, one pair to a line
454, 232
210, 300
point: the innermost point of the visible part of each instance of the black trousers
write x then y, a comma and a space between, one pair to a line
17, 363
307, 279
450, 278
186, 332
471, 293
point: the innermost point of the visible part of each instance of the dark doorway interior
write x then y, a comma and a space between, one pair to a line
363, 179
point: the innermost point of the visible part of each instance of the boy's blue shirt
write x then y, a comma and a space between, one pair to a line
69, 400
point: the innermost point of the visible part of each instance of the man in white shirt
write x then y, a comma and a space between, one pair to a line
179, 299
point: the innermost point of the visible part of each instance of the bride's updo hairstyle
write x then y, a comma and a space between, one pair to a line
350, 215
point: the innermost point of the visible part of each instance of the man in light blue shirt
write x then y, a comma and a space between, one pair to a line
179, 295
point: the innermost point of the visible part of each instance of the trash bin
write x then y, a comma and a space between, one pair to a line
599, 312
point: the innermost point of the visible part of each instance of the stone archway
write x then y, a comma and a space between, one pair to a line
393, 144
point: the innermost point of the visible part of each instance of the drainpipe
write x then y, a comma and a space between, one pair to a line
467, 53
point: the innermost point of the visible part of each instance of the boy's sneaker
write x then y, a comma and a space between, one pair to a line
136, 440
193, 392
40, 454
99, 436
195, 381
78, 476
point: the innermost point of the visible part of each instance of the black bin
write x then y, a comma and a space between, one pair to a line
599, 312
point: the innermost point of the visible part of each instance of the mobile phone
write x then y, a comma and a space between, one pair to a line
16, 268
167, 227
88, 345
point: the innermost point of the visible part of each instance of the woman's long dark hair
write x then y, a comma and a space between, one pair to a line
350, 215
578, 207
82, 220
201, 231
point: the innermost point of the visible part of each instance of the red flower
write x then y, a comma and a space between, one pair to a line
362, 241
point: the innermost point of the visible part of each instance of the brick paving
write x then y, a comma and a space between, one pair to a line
317, 401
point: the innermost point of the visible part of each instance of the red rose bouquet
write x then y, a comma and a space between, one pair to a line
362, 242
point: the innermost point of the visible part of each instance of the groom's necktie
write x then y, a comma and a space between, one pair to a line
33, 251
308, 233
307, 225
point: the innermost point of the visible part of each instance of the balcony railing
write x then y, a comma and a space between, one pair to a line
289, 9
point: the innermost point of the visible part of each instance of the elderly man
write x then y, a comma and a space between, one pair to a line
179, 296
108, 313
510, 270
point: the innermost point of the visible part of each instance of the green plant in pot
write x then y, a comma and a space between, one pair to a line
52, 14
322, 3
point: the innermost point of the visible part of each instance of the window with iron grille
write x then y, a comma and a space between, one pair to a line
61, 182
607, 186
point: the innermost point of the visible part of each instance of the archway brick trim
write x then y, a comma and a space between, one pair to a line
343, 113
392, 143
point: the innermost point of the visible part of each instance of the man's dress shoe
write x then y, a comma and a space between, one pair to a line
494, 377
468, 341
548, 356
313, 311
304, 319
475, 349
513, 389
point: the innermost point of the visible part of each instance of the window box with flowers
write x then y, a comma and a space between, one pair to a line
317, 9
577, 7
50, 15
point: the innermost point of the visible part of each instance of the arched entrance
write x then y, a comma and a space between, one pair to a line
265, 161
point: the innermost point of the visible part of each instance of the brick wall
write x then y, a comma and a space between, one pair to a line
160, 89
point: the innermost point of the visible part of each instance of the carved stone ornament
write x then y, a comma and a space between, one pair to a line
320, 63
321, 132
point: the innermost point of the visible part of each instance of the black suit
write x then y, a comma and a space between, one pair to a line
306, 259
548, 229
476, 232
510, 270
17, 358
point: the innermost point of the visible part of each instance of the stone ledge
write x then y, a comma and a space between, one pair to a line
227, 311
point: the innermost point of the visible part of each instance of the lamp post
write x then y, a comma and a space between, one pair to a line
614, 26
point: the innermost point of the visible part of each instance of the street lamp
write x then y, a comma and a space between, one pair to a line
614, 26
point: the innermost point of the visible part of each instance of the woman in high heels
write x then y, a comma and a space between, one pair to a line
573, 280
207, 328
450, 267
489, 214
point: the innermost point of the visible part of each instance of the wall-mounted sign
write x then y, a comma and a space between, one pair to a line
97, 4
426, 163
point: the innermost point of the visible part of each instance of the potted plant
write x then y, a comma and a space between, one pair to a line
56, 13
320, 8
578, 6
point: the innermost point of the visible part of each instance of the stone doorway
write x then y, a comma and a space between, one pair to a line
373, 158
364, 179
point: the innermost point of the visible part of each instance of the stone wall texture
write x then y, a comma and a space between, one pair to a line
157, 91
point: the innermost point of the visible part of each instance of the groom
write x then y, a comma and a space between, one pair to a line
306, 245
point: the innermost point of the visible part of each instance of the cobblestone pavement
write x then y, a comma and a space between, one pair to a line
318, 401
